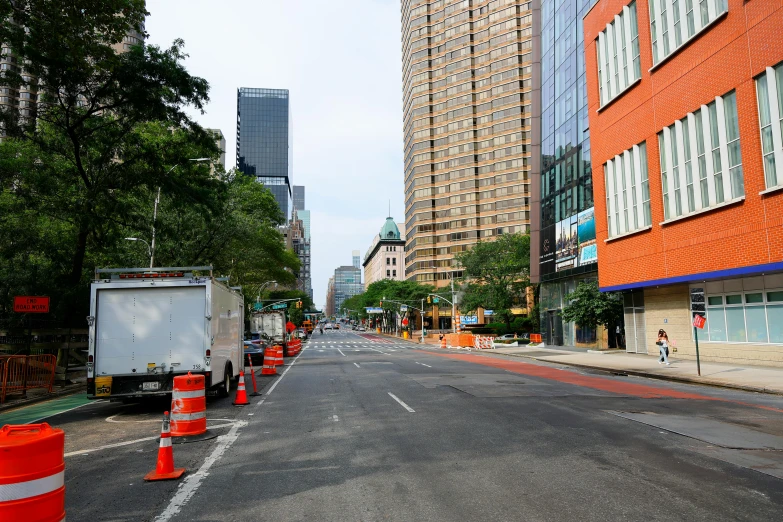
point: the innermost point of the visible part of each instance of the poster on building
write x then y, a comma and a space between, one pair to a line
567, 244
588, 251
547, 256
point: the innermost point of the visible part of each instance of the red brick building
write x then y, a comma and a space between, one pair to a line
685, 101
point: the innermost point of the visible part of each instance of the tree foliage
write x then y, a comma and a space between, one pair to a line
111, 129
497, 273
589, 307
391, 293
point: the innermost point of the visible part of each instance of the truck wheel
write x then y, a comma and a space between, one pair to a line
225, 387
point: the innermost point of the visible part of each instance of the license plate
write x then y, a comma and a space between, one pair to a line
149, 386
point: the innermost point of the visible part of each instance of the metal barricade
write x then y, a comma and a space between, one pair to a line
21, 373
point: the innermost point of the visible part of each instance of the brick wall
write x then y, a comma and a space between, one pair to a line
725, 56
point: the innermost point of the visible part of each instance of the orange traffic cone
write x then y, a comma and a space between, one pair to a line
253, 377
165, 470
241, 398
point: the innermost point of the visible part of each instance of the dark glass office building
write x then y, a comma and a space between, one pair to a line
299, 197
264, 141
565, 235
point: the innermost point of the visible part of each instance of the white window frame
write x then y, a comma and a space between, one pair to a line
769, 86
706, 337
665, 35
618, 55
713, 141
627, 192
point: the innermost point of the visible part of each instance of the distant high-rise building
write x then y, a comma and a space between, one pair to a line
220, 141
356, 255
347, 283
299, 197
467, 80
301, 245
264, 141
304, 215
329, 306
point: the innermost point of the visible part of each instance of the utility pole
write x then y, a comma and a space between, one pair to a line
453, 307
422, 320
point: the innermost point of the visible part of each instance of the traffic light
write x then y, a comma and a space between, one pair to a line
429, 299
299, 304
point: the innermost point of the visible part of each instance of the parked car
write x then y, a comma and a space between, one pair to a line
255, 349
515, 336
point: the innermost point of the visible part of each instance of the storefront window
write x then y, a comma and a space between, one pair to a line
746, 317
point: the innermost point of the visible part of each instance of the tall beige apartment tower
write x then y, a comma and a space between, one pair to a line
467, 81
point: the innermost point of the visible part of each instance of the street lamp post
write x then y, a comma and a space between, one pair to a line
261, 288
149, 250
155, 209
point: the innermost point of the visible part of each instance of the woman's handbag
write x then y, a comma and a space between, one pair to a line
659, 343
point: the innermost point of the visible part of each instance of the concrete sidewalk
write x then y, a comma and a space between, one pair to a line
762, 379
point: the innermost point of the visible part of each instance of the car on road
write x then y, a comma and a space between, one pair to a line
361, 329
336, 326
255, 349
328, 326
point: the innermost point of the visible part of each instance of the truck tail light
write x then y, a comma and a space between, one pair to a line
90, 358
209, 352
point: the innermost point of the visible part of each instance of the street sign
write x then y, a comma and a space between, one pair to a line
373, 310
403, 308
258, 306
436, 300
25, 304
279, 306
698, 321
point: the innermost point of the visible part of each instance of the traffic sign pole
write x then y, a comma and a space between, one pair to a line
698, 323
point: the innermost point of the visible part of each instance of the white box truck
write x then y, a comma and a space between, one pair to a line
272, 325
148, 325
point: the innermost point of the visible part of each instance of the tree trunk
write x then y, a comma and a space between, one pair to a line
78, 257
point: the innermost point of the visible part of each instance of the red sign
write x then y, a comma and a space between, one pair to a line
405, 321
698, 321
25, 304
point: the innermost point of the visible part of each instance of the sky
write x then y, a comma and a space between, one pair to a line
341, 61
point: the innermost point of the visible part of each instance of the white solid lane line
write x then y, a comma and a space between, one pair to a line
341, 352
427, 365
336, 418
190, 485
411, 410
355, 364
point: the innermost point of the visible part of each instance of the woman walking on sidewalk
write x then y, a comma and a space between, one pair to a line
663, 347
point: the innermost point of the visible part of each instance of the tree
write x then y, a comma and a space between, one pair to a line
589, 307
498, 274
391, 293
108, 130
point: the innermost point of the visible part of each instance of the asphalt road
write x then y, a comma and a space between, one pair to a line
366, 428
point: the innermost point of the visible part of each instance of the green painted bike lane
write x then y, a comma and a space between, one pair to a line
42, 410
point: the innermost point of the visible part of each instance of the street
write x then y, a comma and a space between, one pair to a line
363, 427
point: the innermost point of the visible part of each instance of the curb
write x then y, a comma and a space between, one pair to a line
673, 378
65, 390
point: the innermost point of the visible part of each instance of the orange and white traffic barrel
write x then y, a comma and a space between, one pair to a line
32, 473
270, 360
188, 406
278, 355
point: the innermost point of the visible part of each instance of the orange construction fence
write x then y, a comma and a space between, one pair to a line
460, 340
19, 373
535, 338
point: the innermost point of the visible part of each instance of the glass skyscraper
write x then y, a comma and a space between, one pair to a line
264, 141
347, 283
564, 238
299, 197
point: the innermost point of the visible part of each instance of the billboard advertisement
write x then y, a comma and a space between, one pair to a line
575, 243
588, 251
547, 256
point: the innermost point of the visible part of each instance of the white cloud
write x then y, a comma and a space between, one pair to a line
341, 62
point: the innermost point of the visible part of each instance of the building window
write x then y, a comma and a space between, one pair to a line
388, 261
701, 161
394, 261
675, 22
387, 273
618, 54
745, 317
394, 273
627, 191
769, 90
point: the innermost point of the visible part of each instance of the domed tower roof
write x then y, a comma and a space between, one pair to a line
390, 230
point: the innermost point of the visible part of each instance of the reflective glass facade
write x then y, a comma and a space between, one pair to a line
567, 235
299, 197
347, 283
264, 141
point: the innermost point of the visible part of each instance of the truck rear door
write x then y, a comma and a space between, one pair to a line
141, 328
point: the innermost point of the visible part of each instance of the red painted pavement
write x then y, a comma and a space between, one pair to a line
376, 338
596, 383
